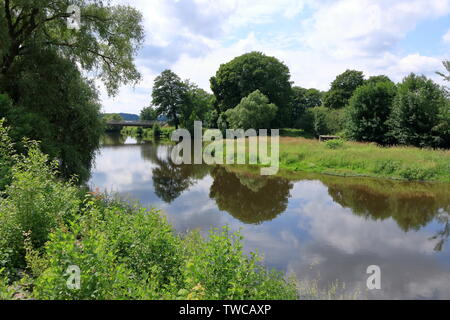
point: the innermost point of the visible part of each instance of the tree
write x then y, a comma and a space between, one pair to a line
108, 38
148, 114
369, 109
56, 105
250, 199
342, 89
254, 112
420, 115
197, 107
447, 66
253, 71
376, 79
302, 99
169, 96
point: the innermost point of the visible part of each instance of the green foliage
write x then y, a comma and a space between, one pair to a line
254, 112
54, 104
302, 99
243, 75
156, 130
198, 106
335, 144
217, 269
6, 153
447, 67
148, 114
342, 89
369, 110
420, 115
108, 39
169, 96
6, 293
112, 117
34, 204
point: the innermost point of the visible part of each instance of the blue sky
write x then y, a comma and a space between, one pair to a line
317, 39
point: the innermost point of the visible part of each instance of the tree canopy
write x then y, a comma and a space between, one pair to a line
420, 115
342, 89
108, 38
369, 110
254, 112
249, 72
169, 96
148, 114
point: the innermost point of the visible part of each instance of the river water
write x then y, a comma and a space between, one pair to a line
322, 229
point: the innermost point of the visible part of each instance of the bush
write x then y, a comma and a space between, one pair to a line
156, 131
34, 204
6, 156
335, 144
217, 269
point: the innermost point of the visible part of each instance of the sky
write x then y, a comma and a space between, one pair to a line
316, 39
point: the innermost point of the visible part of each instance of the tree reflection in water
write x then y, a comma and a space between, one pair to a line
171, 180
251, 199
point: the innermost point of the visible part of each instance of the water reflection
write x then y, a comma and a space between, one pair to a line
251, 199
339, 225
412, 208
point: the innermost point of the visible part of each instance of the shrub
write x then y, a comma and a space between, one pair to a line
101, 276
156, 131
217, 269
34, 204
335, 144
6, 155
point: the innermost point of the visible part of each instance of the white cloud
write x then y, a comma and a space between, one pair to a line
446, 37
193, 37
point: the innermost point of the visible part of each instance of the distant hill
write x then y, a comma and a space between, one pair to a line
126, 116
129, 116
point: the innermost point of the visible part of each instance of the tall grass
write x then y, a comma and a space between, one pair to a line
363, 159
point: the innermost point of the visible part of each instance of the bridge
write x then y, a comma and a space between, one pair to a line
143, 124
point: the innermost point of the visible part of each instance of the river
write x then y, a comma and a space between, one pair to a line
322, 229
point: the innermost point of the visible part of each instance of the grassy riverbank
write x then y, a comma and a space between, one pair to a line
362, 159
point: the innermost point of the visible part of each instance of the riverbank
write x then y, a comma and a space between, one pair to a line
344, 158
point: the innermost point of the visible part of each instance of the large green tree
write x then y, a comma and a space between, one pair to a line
254, 112
56, 105
302, 99
369, 110
253, 71
148, 114
420, 115
108, 38
198, 106
342, 89
169, 96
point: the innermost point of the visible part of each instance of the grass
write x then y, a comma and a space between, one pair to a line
363, 159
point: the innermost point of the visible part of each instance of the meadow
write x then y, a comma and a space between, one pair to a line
345, 158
